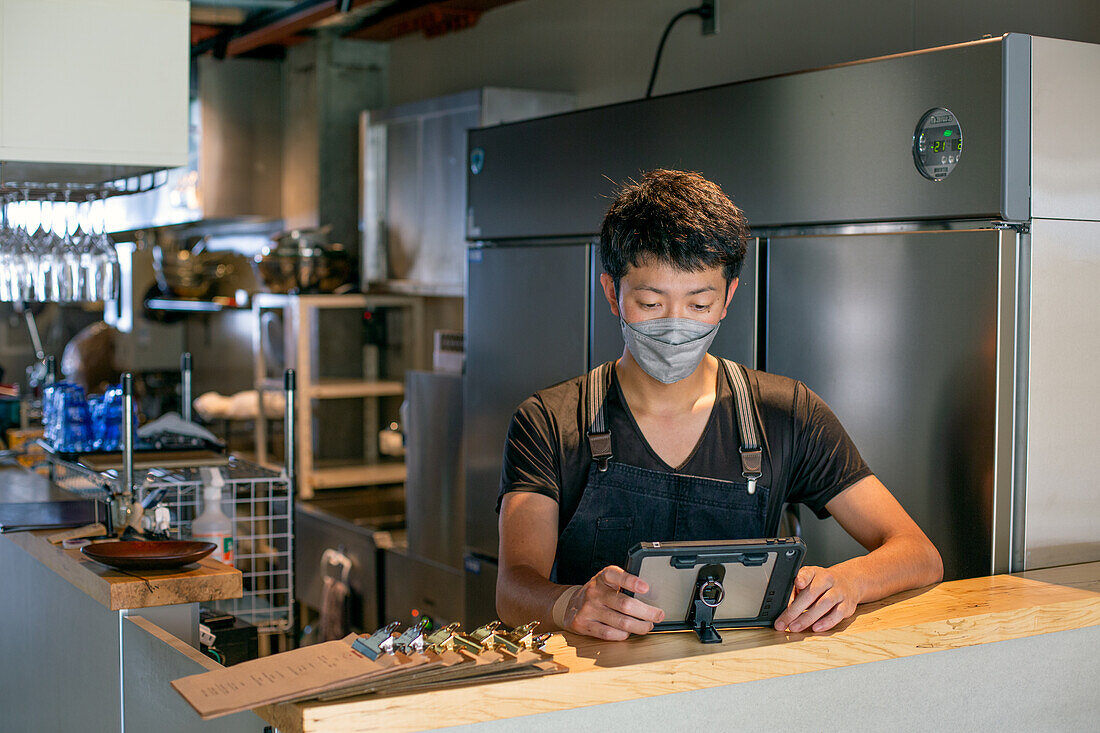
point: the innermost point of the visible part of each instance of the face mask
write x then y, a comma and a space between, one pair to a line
668, 349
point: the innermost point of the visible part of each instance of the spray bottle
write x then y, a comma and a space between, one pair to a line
212, 525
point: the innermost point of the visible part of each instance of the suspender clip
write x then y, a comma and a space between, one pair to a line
751, 462
600, 444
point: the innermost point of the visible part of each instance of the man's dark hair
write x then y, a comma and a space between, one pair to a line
676, 217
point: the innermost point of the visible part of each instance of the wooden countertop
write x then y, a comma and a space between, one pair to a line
209, 580
945, 616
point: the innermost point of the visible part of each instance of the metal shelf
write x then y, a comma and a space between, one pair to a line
300, 313
193, 305
368, 475
335, 388
327, 389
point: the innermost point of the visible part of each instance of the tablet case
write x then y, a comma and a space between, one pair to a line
712, 585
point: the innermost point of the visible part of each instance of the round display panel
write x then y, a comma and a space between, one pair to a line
937, 144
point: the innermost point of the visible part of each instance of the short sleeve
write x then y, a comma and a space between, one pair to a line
825, 460
531, 453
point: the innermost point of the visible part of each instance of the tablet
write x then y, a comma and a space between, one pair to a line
717, 584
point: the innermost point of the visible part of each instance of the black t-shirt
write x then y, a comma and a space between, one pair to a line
808, 458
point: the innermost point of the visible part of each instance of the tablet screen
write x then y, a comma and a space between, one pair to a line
672, 589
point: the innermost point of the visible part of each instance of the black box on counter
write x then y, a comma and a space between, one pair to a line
234, 640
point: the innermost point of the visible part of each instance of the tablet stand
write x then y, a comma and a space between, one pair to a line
707, 595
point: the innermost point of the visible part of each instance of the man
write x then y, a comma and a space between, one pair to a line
672, 246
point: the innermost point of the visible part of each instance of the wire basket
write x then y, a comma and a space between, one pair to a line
259, 502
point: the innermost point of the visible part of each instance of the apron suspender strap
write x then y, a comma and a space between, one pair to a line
751, 454
599, 437
595, 415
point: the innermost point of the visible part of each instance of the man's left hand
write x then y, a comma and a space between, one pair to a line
822, 598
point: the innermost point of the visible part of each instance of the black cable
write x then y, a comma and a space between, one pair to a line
702, 11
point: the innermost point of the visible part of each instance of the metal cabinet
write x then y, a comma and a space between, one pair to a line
904, 336
413, 208
526, 328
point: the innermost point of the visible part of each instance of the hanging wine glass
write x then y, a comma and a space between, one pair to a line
106, 257
47, 250
7, 249
26, 262
67, 261
86, 250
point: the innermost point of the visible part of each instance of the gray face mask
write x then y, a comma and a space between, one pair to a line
668, 349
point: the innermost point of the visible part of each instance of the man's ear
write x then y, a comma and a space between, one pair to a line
729, 294
609, 293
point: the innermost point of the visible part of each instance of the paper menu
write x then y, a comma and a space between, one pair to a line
281, 677
334, 670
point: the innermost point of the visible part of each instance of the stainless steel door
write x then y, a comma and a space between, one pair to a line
434, 498
736, 338
526, 329
815, 147
903, 336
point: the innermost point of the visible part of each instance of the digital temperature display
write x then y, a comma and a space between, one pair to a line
937, 144
948, 145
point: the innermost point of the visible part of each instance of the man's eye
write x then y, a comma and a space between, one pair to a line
649, 305
701, 307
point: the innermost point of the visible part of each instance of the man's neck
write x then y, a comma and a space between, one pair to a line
648, 395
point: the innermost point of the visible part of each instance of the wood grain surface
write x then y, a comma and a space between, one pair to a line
207, 580
945, 616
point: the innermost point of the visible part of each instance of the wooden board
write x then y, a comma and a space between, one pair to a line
208, 580
946, 616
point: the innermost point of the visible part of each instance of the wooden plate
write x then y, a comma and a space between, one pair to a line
139, 555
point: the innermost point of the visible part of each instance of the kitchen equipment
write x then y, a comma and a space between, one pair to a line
922, 258
141, 555
303, 261
425, 579
30, 501
412, 213
189, 271
358, 525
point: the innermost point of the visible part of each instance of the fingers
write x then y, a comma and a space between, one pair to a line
805, 576
809, 585
616, 578
825, 603
599, 606
831, 619
633, 607
614, 619
598, 630
594, 610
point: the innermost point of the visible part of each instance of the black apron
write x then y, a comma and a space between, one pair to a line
623, 505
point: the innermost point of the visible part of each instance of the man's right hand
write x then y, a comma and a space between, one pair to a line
598, 608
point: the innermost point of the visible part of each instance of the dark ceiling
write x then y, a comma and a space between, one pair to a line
267, 27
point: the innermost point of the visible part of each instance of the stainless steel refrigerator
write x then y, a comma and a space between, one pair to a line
923, 258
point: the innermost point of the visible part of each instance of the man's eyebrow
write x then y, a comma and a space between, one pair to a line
658, 291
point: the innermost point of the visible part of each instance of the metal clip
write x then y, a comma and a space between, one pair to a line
449, 638
751, 460
526, 638
490, 637
408, 638
484, 631
371, 647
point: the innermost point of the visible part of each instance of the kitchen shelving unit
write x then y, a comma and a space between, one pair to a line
300, 325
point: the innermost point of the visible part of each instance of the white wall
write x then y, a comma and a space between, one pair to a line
603, 50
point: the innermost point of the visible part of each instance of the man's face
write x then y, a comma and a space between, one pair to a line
659, 290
